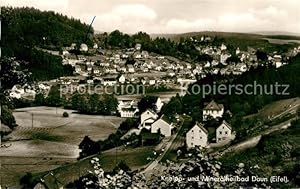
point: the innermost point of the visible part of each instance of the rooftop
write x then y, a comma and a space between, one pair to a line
213, 106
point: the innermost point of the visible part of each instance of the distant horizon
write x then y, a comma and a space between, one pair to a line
177, 16
203, 31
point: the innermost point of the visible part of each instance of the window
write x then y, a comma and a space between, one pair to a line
201, 137
192, 138
192, 144
220, 132
226, 132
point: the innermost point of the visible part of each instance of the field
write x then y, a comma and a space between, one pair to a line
282, 41
45, 139
277, 109
135, 158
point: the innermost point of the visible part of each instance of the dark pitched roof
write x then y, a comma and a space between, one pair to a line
213, 106
166, 119
151, 111
227, 124
201, 126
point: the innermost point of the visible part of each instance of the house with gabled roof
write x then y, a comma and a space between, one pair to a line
162, 125
129, 112
121, 78
96, 70
223, 132
197, 136
147, 118
109, 81
130, 68
152, 81
213, 110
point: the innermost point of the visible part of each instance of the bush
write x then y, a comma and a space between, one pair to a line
7, 117
65, 114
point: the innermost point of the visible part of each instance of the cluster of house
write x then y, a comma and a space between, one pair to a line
152, 122
27, 91
149, 119
198, 135
129, 108
107, 65
247, 59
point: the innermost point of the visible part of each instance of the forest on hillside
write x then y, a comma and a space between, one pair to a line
24, 30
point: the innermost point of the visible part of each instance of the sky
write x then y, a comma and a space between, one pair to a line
177, 16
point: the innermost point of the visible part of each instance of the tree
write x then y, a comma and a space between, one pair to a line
7, 117
88, 147
10, 73
173, 107
147, 102
261, 55
54, 97
121, 166
65, 114
233, 58
39, 99
93, 103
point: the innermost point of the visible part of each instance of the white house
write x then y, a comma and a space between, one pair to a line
90, 81
138, 46
171, 73
65, 52
96, 70
213, 110
277, 59
147, 118
223, 47
197, 136
130, 68
84, 47
89, 68
44, 86
109, 81
95, 46
224, 57
122, 79
237, 51
152, 81
242, 67
145, 54
207, 65
137, 55
17, 91
127, 108
129, 112
224, 132
15, 94
77, 69
164, 125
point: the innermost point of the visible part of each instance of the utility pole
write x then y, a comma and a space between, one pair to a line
32, 120
116, 155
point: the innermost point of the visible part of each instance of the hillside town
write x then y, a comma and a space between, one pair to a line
137, 66
82, 108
